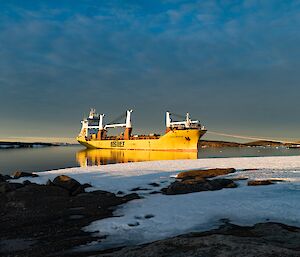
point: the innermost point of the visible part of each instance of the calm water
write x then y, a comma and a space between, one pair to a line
48, 158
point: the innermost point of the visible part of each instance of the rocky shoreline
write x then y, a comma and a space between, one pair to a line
262, 239
47, 220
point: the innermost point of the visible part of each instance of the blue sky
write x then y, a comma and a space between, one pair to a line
232, 64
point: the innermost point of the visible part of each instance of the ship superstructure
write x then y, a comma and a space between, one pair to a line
180, 135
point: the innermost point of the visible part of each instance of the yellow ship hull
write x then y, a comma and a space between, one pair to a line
175, 140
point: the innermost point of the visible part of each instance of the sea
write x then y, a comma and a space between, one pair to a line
59, 157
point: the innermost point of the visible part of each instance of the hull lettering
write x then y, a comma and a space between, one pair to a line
117, 144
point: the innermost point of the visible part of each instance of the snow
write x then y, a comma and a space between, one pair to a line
125, 176
174, 215
178, 214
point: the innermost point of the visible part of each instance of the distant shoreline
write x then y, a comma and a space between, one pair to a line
260, 143
13, 145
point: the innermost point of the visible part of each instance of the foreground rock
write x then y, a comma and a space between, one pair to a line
4, 178
44, 220
209, 173
196, 181
20, 174
197, 185
259, 182
6, 187
70, 184
264, 239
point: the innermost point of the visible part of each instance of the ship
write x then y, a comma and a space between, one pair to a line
179, 135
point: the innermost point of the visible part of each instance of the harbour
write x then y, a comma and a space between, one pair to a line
58, 157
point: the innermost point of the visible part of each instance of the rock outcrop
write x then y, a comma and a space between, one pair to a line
4, 178
20, 174
70, 184
197, 181
49, 218
209, 173
197, 185
263, 239
6, 187
259, 182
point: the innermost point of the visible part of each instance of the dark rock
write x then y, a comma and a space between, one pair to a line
139, 189
3, 178
204, 173
155, 192
260, 182
76, 217
197, 185
49, 183
20, 174
248, 169
27, 182
148, 216
154, 184
103, 193
86, 185
222, 183
68, 183
6, 187
239, 178
262, 239
52, 217
7, 177
130, 197
120, 193
42, 192
78, 190
133, 224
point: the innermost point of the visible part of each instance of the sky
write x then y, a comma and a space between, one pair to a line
233, 64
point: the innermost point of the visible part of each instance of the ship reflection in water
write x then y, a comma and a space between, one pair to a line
91, 157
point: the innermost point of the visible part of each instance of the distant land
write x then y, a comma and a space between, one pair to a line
9, 145
50, 140
259, 143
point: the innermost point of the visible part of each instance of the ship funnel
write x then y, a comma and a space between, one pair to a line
128, 119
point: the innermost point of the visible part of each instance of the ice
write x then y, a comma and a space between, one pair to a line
178, 214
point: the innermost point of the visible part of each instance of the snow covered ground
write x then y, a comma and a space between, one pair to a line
159, 216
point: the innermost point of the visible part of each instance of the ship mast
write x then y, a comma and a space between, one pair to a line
101, 132
187, 123
93, 117
168, 122
128, 129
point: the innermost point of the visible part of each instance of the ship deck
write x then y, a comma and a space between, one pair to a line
139, 137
